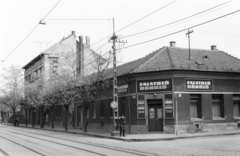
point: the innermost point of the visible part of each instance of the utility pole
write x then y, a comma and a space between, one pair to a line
115, 96
188, 34
115, 92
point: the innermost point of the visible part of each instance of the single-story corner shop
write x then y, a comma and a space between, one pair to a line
169, 87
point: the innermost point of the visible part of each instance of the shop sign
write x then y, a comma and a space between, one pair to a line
168, 106
199, 85
141, 109
154, 85
122, 89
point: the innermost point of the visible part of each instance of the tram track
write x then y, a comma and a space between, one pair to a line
3, 152
133, 152
39, 153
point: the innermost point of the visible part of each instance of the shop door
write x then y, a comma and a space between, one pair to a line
155, 115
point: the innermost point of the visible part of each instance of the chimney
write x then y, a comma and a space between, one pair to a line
172, 44
80, 38
213, 47
87, 41
73, 32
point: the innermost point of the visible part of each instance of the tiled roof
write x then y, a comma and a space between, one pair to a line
169, 58
130, 66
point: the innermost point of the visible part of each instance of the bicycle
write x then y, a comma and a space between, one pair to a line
196, 126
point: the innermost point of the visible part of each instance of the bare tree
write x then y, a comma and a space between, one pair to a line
12, 92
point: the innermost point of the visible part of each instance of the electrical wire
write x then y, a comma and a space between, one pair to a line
165, 35
27, 35
134, 22
121, 28
177, 20
146, 16
180, 30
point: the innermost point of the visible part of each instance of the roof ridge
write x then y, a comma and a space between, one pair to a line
157, 53
230, 55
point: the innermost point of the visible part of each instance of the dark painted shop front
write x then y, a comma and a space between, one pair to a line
154, 96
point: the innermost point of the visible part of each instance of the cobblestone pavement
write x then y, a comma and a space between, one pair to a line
228, 145
210, 146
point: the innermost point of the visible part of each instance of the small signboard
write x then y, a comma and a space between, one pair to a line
122, 89
141, 109
154, 85
199, 85
168, 106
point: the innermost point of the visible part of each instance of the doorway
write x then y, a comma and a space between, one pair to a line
155, 115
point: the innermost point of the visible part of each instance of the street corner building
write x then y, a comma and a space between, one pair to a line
173, 86
161, 92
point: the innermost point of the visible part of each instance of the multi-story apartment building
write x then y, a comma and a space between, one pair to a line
68, 56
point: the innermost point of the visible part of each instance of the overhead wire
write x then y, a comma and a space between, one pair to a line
135, 21
164, 36
182, 30
28, 34
177, 20
121, 28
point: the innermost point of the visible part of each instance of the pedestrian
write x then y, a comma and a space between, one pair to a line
122, 126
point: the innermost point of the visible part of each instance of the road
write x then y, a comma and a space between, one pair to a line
17, 141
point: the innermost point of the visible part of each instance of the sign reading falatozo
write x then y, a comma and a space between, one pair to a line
199, 85
154, 85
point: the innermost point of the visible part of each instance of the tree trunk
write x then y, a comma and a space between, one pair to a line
26, 119
84, 119
73, 119
66, 118
41, 117
52, 116
33, 122
14, 118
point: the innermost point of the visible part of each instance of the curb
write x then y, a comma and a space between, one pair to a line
134, 140
81, 133
183, 137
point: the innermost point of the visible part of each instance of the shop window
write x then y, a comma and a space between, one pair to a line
195, 106
217, 106
236, 105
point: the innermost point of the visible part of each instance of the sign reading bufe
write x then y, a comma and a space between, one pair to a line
154, 85
122, 89
199, 84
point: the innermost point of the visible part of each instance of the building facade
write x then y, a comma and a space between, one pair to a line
168, 89
66, 57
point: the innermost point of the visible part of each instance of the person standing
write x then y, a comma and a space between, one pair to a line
122, 126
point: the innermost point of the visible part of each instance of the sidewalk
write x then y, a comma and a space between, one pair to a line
137, 137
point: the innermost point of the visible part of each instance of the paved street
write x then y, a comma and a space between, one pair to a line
20, 141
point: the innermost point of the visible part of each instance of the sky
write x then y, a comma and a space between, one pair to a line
19, 44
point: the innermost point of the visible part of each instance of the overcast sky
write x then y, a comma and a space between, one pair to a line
19, 17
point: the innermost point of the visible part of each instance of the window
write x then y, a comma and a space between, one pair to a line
217, 106
236, 105
195, 106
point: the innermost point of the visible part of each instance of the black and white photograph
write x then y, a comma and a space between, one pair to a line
119, 77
